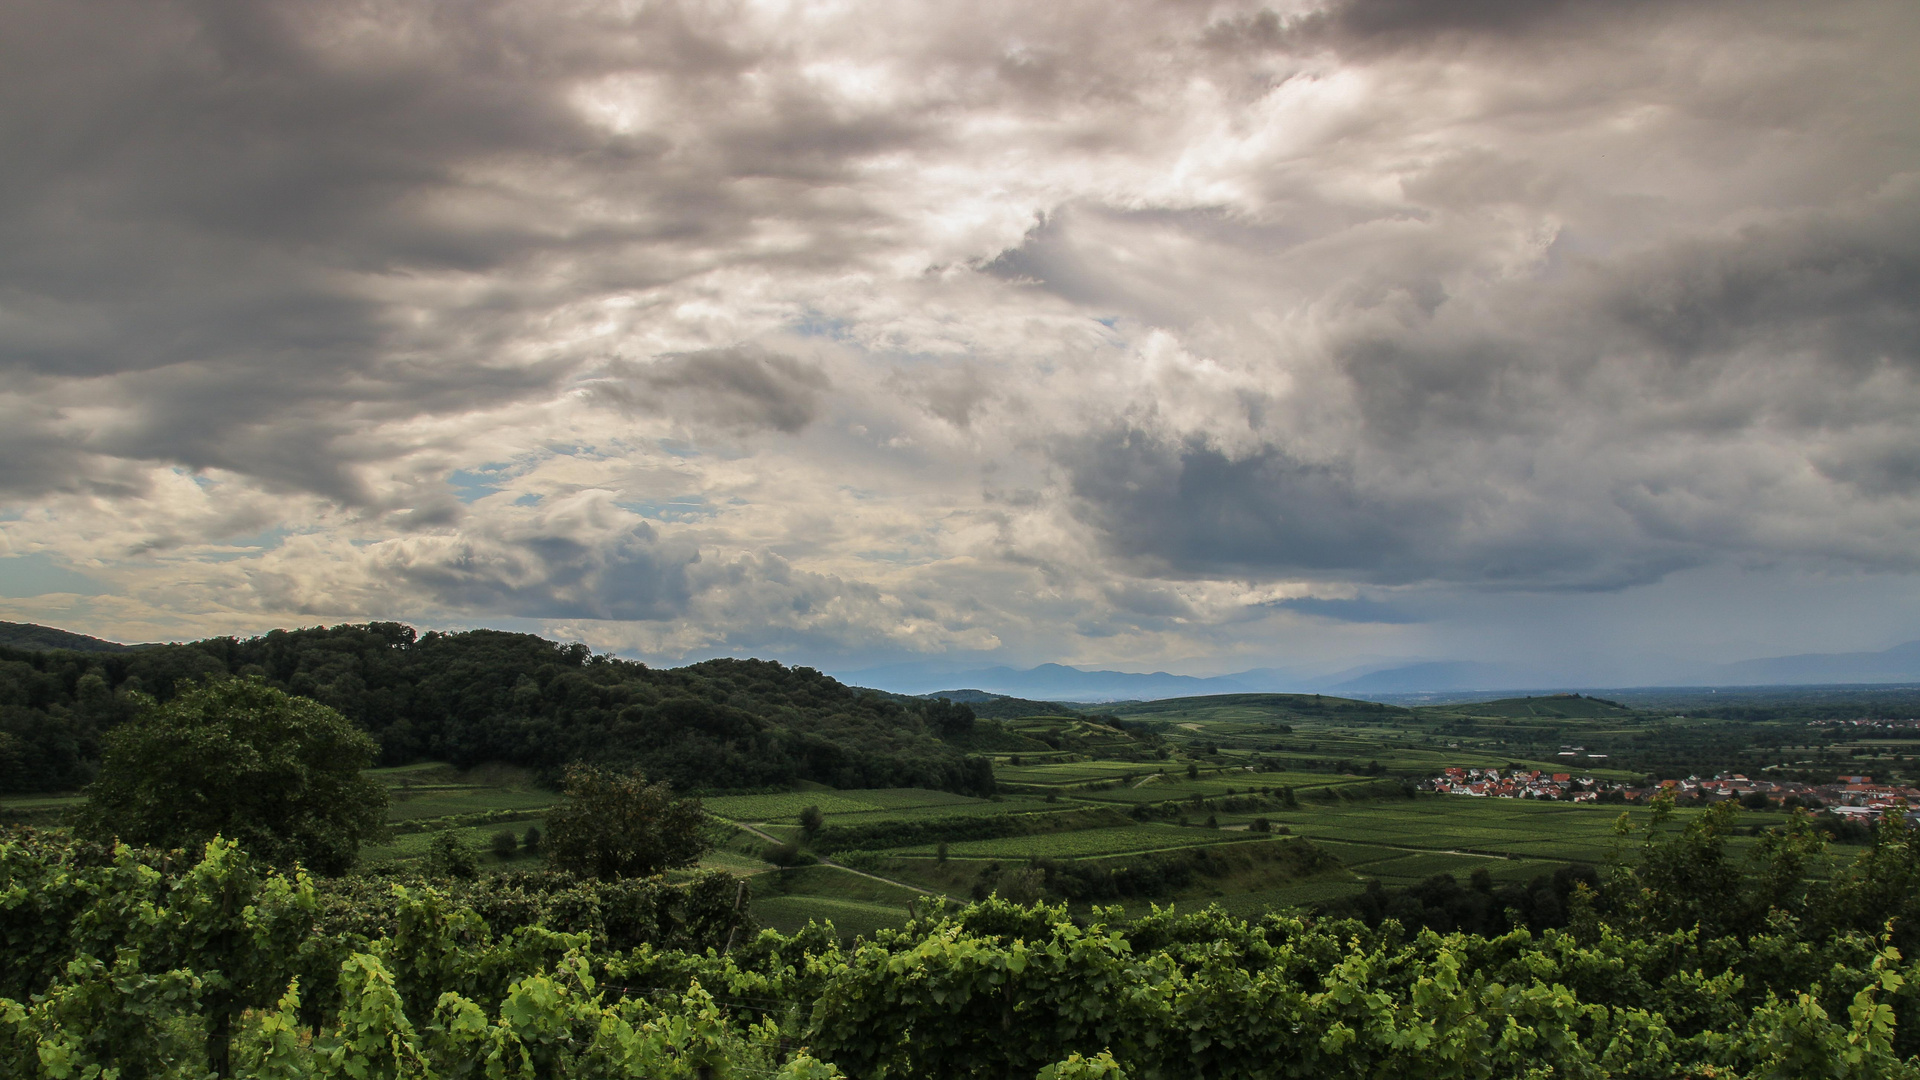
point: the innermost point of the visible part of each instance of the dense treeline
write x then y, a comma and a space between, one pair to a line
1480, 907
1152, 876
176, 971
486, 695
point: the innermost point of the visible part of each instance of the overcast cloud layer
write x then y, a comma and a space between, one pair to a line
1128, 334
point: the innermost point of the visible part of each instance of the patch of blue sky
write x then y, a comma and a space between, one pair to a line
243, 547
39, 574
678, 448
815, 325
527, 500
680, 508
472, 485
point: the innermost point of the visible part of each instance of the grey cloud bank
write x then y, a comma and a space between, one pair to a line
1578, 336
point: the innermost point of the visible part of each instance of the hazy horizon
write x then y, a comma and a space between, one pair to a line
1579, 338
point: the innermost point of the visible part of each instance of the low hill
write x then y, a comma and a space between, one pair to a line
1550, 706
1258, 709
1047, 682
31, 637
990, 706
485, 695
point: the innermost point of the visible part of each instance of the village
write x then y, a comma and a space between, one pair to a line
1851, 797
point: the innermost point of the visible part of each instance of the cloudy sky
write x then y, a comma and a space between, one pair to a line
1183, 335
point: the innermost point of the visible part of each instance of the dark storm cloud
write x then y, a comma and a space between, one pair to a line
268, 227
1187, 510
739, 387
553, 573
1373, 24
1688, 397
1204, 513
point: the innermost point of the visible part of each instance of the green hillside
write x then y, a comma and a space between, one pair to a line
487, 696
1552, 707
30, 637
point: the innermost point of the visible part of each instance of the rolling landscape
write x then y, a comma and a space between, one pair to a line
850, 831
1251, 802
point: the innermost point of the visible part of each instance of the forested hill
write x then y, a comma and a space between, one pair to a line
485, 695
36, 638
1001, 707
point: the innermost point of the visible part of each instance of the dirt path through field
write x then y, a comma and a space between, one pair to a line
824, 861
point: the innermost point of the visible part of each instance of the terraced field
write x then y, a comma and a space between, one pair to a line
788, 805
1075, 772
1121, 840
1176, 786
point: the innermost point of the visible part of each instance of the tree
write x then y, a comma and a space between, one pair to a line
949, 720
505, 844
811, 819
277, 774
449, 855
616, 824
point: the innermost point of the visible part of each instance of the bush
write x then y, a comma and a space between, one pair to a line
449, 855
617, 825
530, 843
788, 854
505, 844
278, 774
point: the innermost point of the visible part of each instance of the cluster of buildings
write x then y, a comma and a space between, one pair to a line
1516, 784
1854, 797
1904, 725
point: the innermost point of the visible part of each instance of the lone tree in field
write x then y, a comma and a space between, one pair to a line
615, 825
277, 774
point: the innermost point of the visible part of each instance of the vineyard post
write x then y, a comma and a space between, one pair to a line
739, 898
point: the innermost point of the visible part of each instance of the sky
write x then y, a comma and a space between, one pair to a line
1582, 334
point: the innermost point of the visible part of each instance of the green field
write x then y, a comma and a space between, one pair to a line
1120, 840
1175, 786
855, 904
407, 847
435, 803
1076, 772
788, 805
1005, 804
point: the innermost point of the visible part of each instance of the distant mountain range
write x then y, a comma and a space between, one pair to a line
1048, 682
1058, 682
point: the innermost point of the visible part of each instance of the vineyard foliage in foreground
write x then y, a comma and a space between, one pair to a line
137, 967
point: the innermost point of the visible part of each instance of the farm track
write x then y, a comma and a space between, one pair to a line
824, 861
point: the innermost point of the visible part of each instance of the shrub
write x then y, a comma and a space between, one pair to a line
449, 855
